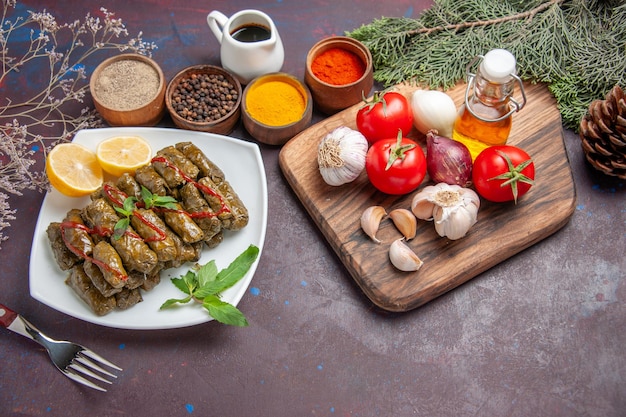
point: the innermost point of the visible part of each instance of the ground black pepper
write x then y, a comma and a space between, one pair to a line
127, 84
204, 97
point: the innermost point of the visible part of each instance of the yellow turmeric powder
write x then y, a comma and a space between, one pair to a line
275, 103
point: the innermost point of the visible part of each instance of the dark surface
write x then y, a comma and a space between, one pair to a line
541, 334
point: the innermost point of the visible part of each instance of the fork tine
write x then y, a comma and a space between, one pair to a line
78, 367
75, 377
94, 355
90, 364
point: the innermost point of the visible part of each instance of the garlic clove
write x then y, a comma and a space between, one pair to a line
403, 258
422, 205
454, 226
405, 221
370, 221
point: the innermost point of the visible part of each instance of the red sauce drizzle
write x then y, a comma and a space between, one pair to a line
115, 195
66, 225
208, 190
160, 233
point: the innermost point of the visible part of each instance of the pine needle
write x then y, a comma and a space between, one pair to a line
577, 47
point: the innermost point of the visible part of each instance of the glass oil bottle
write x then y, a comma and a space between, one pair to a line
485, 118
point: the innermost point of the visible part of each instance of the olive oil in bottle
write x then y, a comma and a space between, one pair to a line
485, 118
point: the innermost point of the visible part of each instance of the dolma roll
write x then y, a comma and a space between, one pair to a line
225, 201
186, 252
205, 165
97, 279
155, 233
135, 253
129, 186
151, 281
136, 279
101, 217
64, 257
182, 224
127, 298
112, 194
174, 167
110, 264
236, 206
76, 234
151, 179
199, 210
82, 286
215, 240
179, 160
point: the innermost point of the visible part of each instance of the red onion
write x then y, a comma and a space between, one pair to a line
447, 160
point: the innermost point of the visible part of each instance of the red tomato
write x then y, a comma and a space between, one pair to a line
503, 173
381, 117
395, 166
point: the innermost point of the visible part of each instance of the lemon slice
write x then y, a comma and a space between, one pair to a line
73, 170
121, 154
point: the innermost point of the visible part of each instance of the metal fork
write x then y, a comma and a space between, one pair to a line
73, 360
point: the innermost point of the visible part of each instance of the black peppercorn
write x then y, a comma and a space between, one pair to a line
204, 97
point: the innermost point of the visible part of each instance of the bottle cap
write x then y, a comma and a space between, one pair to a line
498, 65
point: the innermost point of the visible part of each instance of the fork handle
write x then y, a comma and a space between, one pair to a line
7, 316
16, 323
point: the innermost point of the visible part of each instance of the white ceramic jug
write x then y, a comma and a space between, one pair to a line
250, 44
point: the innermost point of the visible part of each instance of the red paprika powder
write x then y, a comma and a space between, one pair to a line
338, 66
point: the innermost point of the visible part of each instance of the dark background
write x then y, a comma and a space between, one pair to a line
541, 334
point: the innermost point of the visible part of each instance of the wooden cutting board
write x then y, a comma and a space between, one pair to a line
502, 229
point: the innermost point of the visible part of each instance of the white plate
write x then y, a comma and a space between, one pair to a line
243, 166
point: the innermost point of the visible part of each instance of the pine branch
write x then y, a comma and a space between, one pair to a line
465, 25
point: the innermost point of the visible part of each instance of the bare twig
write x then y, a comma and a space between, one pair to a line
54, 107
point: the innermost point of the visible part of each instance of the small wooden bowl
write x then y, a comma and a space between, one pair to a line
223, 125
120, 105
330, 98
276, 134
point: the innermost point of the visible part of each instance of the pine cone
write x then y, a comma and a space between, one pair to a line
603, 134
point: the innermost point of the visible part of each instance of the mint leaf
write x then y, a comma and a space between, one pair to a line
154, 200
130, 205
146, 197
204, 285
185, 283
190, 279
206, 273
173, 301
165, 201
237, 269
120, 227
223, 312
127, 209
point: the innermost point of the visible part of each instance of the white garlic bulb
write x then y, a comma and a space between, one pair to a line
433, 110
341, 155
453, 208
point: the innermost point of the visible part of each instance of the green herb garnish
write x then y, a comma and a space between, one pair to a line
154, 200
130, 205
204, 284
